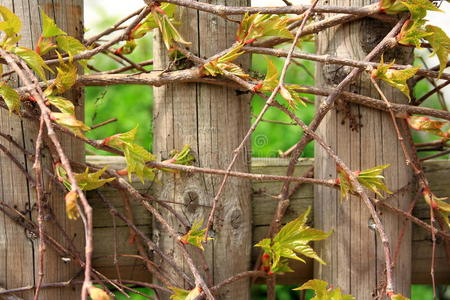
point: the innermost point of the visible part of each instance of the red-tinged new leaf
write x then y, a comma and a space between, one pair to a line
183, 157
45, 45
323, 292
98, 294
168, 31
10, 96
49, 27
412, 33
127, 48
196, 235
71, 205
33, 60
181, 294
440, 42
224, 64
11, 23
438, 203
428, 125
395, 78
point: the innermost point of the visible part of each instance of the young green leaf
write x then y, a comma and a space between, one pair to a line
428, 125
49, 27
135, 155
181, 294
195, 236
70, 45
91, 181
183, 157
322, 292
33, 60
11, 97
440, 42
370, 178
11, 23
395, 78
291, 241
127, 48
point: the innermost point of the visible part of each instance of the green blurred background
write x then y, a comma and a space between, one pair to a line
132, 106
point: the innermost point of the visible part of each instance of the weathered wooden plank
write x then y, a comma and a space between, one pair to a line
355, 252
263, 206
18, 251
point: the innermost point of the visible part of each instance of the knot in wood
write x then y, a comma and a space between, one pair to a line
235, 218
191, 199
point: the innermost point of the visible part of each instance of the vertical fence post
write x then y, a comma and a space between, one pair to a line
355, 260
18, 248
213, 120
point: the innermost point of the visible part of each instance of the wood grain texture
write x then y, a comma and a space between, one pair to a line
19, 252
353, 253
213, 120
263, 207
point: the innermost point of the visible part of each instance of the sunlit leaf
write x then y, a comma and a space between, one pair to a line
49, 27
62, 104
322, 292
168, 31
11, 23
91, 181
395, 78
70, 45
412, 33
224, 64
33, 60
11, 97
440, 42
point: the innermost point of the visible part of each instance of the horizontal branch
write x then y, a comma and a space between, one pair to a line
328, 59
222, 10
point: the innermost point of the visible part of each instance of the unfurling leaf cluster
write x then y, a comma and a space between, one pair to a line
135, 155
259, 25
438, 204
291, 241
370, 179
223, 64
86, 182
414, 29
395, 78
196, 236
287, 91
323, 292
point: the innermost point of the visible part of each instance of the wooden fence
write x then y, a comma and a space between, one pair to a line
263, 207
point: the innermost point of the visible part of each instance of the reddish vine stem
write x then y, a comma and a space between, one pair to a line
39, 199
37, 93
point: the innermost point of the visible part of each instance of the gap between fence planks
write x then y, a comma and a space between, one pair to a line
263, 207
